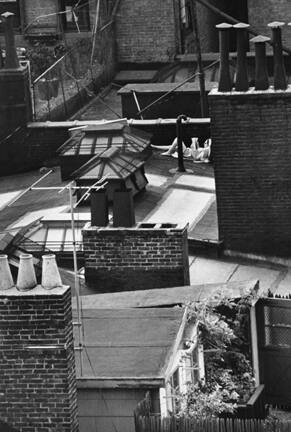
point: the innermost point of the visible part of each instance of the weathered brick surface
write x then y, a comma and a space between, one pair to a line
120, 259
146, 31
262, 12
31, 148
251, 135
37, 385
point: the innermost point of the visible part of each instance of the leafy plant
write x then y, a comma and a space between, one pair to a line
224, 333
42, 57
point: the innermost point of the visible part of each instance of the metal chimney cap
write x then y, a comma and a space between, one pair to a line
260, 39
276, 24
223, 26
241, 25
7, 14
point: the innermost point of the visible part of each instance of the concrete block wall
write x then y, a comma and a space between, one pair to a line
144, 257
251, 136
37, 363
146, 31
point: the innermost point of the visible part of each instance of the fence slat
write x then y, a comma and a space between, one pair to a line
146, 422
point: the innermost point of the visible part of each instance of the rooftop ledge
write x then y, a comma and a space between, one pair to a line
38, 291
142, 226
252, 92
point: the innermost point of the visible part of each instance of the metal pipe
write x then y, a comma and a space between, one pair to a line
225, 83
137, 103
261, 78
181, 167
201, 75
241, 76
29, 188
77, 286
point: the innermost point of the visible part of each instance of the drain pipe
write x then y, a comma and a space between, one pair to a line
181, 167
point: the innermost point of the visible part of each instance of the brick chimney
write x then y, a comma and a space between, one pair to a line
15, 98
144, 256
37, 363
251, 135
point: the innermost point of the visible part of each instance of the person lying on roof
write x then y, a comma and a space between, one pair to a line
198, 150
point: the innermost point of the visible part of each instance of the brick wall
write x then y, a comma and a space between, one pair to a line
31, 148
37, 385
33, 9
262, 12
124, 259
146, 31
251, 135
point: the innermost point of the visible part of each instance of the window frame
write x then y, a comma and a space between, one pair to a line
71, 25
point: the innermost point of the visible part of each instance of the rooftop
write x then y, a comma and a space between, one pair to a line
128, 343
168, 197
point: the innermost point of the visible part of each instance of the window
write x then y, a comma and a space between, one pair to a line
195, 366
10, 6
76, 16
175, 386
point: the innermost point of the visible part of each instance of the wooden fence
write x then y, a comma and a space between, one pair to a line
248, 417
154, 423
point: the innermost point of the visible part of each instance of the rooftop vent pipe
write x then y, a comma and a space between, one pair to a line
225, 83
261, 75
50, 273
6, 280
11, 59
241, 75
26, 279
280, 82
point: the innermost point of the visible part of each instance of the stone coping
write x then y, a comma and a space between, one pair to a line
38, 291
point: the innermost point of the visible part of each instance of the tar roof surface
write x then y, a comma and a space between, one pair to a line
128, 343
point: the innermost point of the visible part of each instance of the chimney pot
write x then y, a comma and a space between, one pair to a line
99, 208
26, 279
280, 81
6, 280
50, 273
261, 79
241, 80
225, 83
